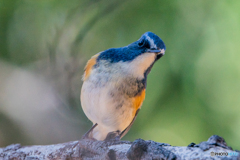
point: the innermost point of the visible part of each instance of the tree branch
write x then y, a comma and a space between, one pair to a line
214, 148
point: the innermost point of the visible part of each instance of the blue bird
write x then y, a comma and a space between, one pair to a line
114, 84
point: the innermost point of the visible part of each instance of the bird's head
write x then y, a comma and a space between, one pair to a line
149, 43
138, 57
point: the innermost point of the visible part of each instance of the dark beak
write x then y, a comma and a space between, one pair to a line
153, 50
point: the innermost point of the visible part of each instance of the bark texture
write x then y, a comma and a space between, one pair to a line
214, 148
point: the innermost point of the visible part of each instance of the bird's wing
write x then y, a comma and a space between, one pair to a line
88, 68
137, 101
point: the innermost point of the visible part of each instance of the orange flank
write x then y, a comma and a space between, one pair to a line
88, 67
137, 101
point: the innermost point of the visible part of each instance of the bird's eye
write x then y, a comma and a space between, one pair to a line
141, 43
144, 43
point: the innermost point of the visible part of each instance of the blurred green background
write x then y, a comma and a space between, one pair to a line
192, 93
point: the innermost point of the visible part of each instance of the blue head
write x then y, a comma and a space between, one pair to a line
148, 43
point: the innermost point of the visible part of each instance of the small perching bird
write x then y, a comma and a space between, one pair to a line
114, 85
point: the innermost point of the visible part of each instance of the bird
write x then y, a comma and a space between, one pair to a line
114, 86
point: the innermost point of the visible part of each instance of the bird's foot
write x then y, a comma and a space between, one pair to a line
113, 136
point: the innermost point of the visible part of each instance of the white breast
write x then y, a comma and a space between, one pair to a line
100, 107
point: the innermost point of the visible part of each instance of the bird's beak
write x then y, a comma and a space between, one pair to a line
153, 50
158, 51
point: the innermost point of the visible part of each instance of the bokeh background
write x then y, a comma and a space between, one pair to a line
192, 93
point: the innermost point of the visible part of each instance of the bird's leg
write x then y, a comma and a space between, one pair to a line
86, 135
115, 135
